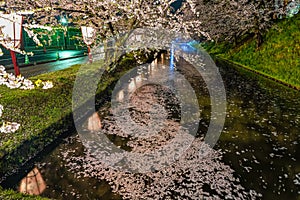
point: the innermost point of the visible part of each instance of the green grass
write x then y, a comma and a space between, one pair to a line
278, 57
35, 109
11, 195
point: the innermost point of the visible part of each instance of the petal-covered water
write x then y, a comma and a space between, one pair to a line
261, 134
256, 156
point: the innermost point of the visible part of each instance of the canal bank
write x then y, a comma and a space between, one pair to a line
277, 58
260, 73
46, 117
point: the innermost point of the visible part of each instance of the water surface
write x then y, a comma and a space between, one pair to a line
260, 139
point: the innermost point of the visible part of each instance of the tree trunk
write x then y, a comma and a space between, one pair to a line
259, 39
234, 40
285, 3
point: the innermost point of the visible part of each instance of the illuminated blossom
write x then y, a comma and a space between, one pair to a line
47, 85
9, 127
13, 82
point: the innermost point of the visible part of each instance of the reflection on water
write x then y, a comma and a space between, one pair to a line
60, 183
157, 123
94, 123
261, 134
33, 183
260, 142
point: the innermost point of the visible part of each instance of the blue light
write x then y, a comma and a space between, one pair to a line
192, 43
172, 58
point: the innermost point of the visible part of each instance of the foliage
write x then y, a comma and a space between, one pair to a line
112, 18
213, 48
279, 54
37, 111
12, 82
231, 20
278, 57
10, 194
227, 20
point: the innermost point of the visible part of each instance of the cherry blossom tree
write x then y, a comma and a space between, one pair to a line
231, 20
111, 18
218, 20
260, 17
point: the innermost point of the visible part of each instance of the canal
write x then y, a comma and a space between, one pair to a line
257, 155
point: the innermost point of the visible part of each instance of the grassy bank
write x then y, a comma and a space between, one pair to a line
11, 195
45, 115
278, 57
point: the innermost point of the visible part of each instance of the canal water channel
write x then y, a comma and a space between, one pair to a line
257, 155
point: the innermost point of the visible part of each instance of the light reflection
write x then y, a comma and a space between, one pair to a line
131, 85
135, 83
33, 183
172, 58
149, 69
163, 59
94, 122
120, 95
